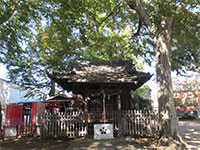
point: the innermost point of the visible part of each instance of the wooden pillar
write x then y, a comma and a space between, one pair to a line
86, 107
119, 115
104, 106
86, 116
118, 102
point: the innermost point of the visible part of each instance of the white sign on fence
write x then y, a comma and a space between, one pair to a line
103, 131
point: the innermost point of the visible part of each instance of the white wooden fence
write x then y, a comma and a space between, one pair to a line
138, 123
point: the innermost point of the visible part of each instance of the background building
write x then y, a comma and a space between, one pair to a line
11, 94
187, 98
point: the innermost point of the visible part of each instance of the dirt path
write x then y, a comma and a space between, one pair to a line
190, 132
31, 143
115, 144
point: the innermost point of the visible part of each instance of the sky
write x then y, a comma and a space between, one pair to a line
152, 83
3, 72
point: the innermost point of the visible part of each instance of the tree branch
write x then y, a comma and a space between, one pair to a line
139, 28
139, 8
114, 11
6, 16
183, 4
8, 13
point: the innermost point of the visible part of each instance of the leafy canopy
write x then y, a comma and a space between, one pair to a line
37, 37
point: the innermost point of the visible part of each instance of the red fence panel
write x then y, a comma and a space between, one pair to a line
14, 115
37, 110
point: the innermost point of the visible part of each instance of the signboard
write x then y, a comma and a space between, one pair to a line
103, 131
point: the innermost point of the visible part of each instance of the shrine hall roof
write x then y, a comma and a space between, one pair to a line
112, 71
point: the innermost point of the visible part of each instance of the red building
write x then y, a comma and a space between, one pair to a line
187, 98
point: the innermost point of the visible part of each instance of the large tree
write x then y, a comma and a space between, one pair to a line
101, 29
40, 37
166, 21
37, 37
19, 19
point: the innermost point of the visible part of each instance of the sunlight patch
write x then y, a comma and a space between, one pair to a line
165, 115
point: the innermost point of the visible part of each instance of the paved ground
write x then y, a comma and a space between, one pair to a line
190, 132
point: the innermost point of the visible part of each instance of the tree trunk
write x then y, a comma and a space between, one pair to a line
52, 91
163, 32
168, 120
0, 122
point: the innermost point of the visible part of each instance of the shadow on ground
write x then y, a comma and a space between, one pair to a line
190, 132
83, 144
34, 144
76, 144
115, 144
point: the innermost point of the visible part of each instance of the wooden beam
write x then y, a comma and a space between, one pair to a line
104, 106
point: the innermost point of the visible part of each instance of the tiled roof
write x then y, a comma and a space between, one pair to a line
118, 71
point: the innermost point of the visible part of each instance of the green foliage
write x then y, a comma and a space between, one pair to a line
16, 33
43, 36
185, 46
141, 98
